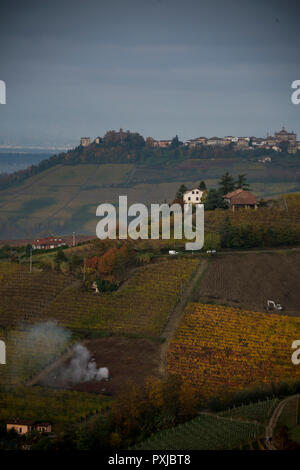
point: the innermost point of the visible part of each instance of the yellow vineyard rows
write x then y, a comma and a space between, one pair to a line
221, 350
142, 305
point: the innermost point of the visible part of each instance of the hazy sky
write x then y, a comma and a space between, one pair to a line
159, 67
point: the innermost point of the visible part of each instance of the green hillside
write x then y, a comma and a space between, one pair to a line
64, 198
206, 432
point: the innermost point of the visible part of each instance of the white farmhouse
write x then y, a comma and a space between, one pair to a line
192, 196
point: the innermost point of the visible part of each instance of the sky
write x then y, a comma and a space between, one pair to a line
158, 67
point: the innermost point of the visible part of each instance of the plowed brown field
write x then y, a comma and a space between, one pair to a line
249, 280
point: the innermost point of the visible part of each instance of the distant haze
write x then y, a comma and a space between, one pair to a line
159, 67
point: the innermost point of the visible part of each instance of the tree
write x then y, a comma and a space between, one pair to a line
214, 200
226, 184
181, 191
107, 261
226, 233
241, 182
202, 186
60, 256
175, 142
188, 402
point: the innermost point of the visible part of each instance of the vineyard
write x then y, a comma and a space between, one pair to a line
24, 295
41, 404
260, 411
287, 216
141, 306
28, 351
206, 432
221, 350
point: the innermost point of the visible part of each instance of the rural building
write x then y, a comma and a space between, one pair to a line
192, 196
265, 160
20, 426
23, 426
48, 243
43, 427
85, 141
197, 141
284, 136
240, 198
164, 143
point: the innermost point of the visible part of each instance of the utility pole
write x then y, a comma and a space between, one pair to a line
84, 269
74, 239
30, 261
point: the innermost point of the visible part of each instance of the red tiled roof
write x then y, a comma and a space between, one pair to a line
49, 241
240, 196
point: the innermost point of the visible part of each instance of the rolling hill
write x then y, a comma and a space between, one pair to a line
64, 198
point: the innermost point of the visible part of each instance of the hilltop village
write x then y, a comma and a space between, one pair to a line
281, 141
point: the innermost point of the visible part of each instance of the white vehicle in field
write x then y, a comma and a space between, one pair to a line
173, 252
211, 252
271, 305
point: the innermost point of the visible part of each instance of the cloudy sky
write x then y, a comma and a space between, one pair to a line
159, 67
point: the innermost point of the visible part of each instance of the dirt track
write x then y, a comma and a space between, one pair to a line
274, 420
176, 316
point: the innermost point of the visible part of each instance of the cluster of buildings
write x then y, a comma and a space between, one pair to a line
238, 199
244, 143
250, 143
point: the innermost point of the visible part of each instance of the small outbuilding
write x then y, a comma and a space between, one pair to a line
240, 198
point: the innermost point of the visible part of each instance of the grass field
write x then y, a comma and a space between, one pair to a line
221, 350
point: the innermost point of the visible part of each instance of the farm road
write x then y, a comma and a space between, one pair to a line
176, 315
274, 420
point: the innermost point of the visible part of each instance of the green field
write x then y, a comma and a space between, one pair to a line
56, 406
206, 432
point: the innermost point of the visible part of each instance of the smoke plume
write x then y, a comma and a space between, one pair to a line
82, 368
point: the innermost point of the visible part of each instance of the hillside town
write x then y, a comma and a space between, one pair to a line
281, 141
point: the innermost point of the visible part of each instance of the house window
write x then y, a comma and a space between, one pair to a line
192, 192
189, 198
197, 199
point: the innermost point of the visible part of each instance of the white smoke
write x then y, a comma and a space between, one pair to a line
82, 368
35, 346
